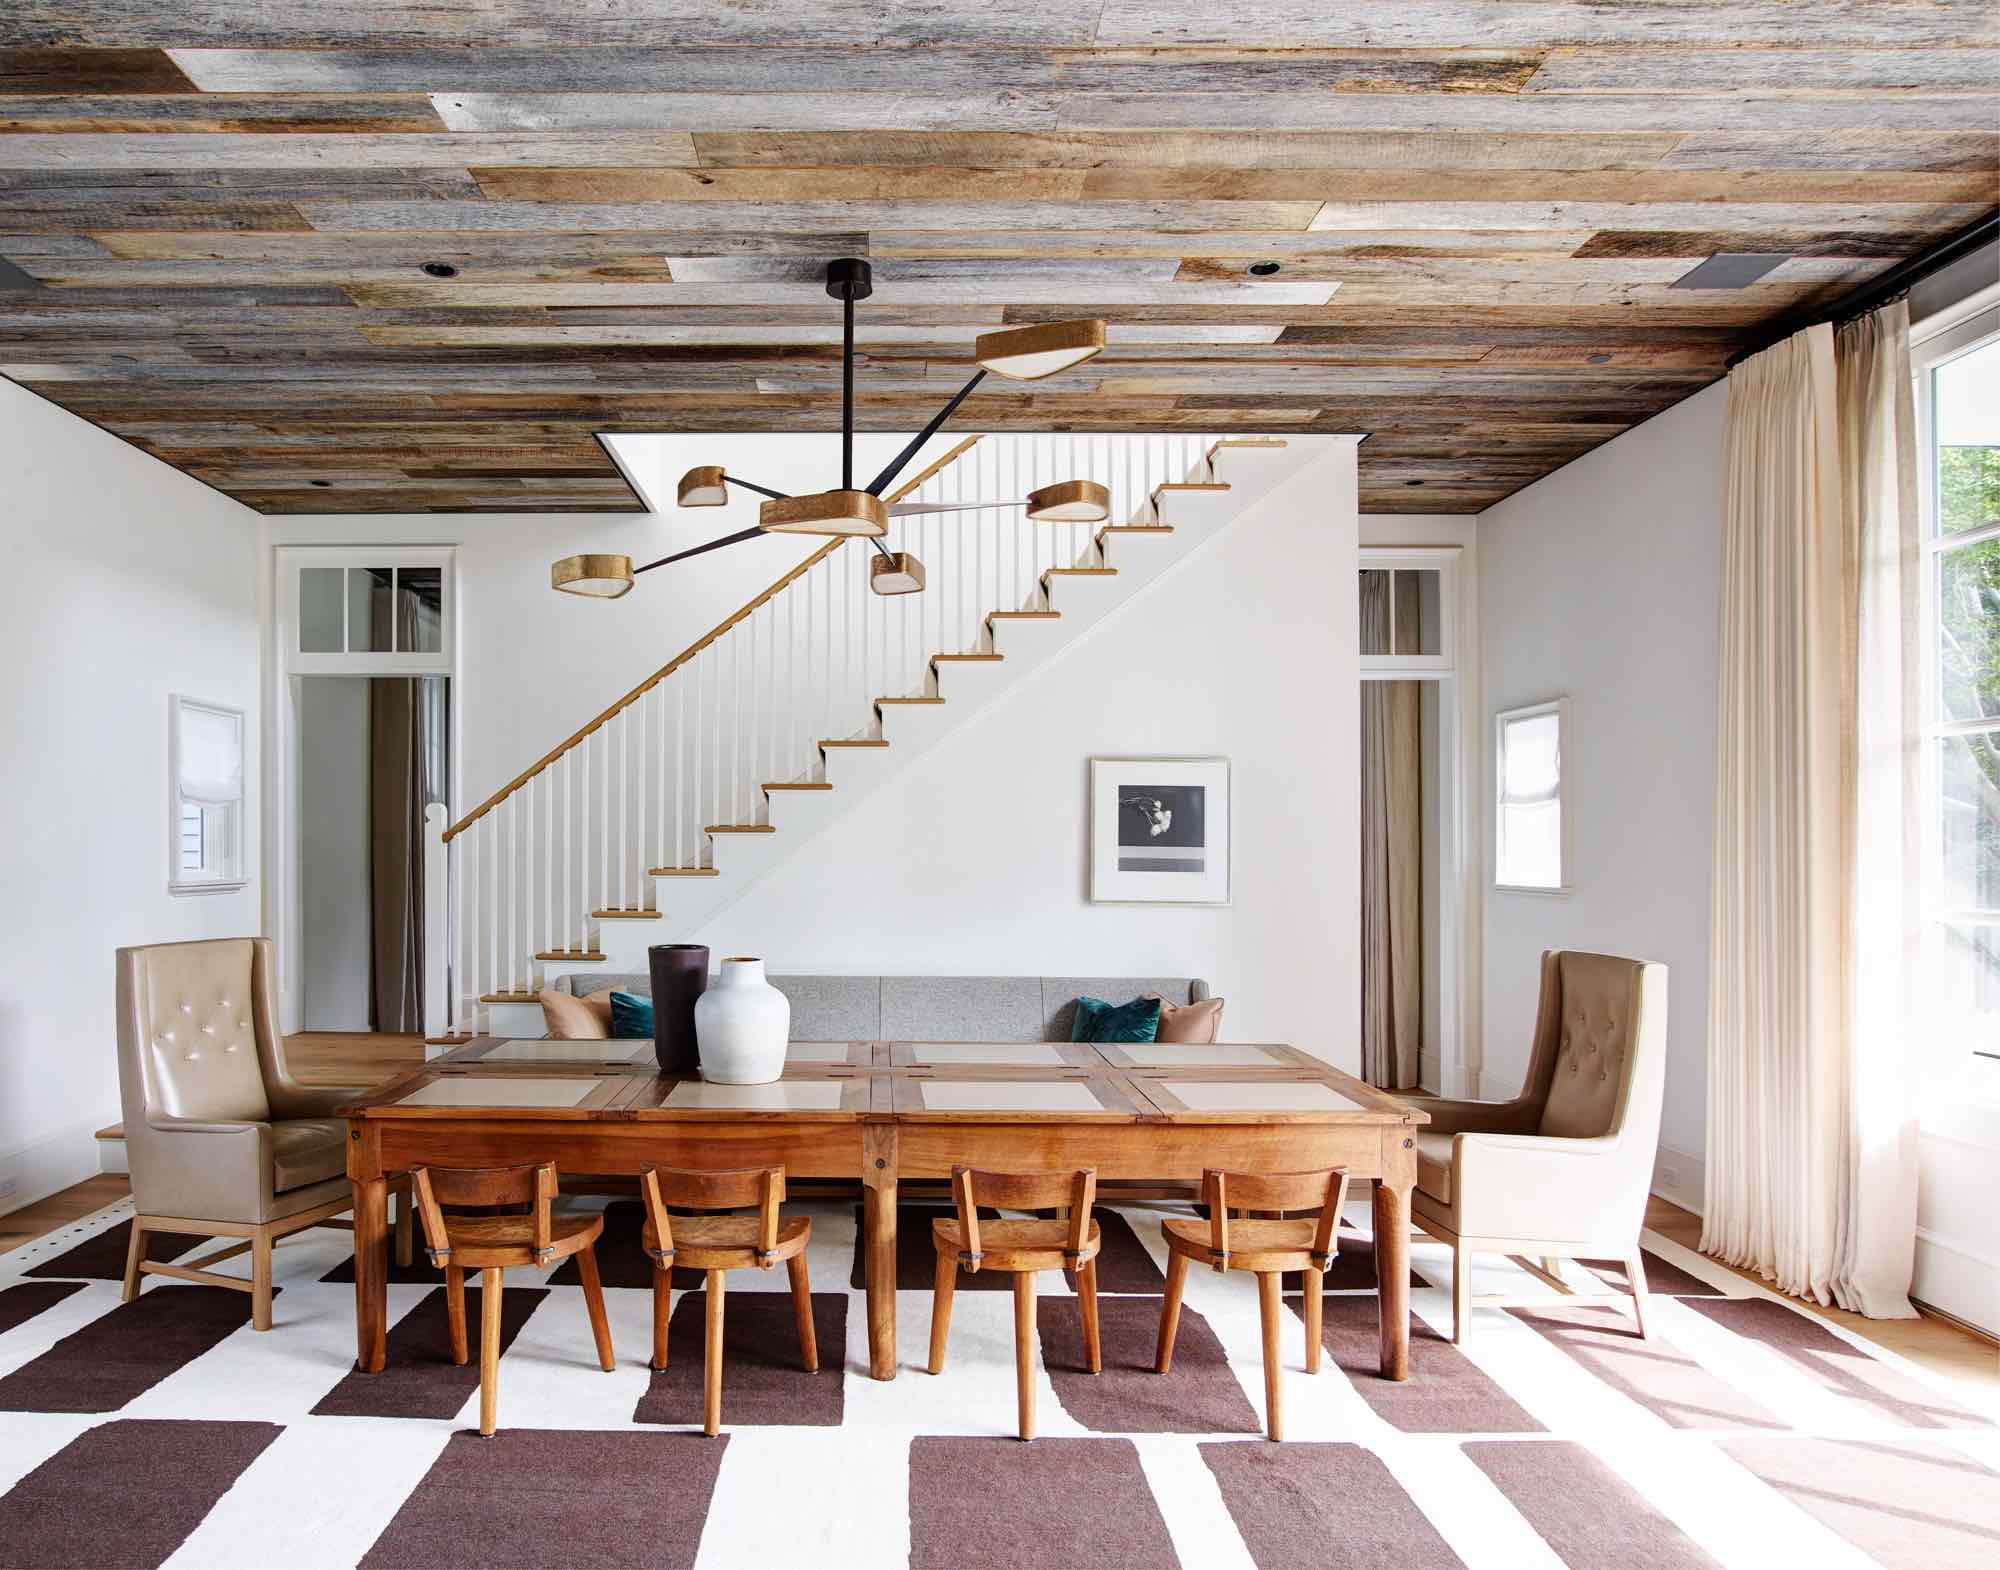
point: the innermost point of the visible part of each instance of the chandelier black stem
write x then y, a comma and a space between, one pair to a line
847, 393
695, 550
902, 459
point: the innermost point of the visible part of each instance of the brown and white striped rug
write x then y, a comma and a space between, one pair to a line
166, 1432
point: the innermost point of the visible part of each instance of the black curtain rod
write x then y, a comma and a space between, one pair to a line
1880, 291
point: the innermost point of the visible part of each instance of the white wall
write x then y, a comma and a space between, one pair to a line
1601, 582
125, 582
974, 858
336, 931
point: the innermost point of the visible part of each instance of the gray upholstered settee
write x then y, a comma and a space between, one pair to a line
933, 1008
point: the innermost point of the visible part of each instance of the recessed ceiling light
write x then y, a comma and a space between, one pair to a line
322, 482
1263, 269
1413, 482
441, 269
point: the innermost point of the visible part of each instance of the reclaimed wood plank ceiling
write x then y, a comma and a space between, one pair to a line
217, 215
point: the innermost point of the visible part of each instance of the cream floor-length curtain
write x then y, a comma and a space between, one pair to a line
1811, 1164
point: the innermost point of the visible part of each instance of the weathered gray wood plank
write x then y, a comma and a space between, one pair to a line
600, 216
216, 112
1004, 109
59, 70
1782, 71
168, 151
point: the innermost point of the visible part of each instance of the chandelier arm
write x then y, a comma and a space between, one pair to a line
910, 509
712, 545
761, 490
902, 459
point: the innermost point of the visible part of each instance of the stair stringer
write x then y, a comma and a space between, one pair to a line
1198, 519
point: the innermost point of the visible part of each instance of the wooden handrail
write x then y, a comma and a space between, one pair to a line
692, 650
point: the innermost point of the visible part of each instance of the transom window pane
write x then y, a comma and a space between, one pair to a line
320, 617
1402, 610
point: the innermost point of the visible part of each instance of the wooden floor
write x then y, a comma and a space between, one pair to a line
339, 1058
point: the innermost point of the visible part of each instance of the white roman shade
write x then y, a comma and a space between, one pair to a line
209, 756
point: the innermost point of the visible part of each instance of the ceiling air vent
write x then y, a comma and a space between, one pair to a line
1731, 270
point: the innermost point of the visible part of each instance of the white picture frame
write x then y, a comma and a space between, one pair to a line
205, 853
1531, 818
1159, 831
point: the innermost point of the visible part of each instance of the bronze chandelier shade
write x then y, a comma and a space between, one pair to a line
1020, 354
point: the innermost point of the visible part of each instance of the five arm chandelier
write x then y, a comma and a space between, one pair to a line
1021, 354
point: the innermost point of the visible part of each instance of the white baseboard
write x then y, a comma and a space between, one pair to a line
1680, 1177
47, 1165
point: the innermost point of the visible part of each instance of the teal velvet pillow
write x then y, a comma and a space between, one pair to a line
1097, 1020
632, 1017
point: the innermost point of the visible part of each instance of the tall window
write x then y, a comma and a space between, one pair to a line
1959, 398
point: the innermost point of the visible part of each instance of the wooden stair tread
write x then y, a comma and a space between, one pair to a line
771, 785
450, 1040
1079, 572
625, 915
115, 1131
510, 997
1190, 485
880, 702
856, 741
974, 658
574, 956
740, 828
1135, 528
993, 616
682, 872
1245, 441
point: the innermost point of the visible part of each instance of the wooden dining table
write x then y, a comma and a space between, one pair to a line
881, 1113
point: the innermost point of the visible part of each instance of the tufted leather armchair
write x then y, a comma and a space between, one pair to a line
221, 1140
1562, 1171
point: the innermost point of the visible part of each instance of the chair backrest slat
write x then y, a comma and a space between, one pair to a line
733, 1189
1324, 1192
1022, 1191
437, 1188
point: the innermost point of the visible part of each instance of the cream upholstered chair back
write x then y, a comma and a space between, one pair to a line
189, 1012
1595, 1040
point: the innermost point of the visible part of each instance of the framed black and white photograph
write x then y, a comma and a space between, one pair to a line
1159, 831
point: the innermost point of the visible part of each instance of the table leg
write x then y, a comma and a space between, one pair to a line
371, 1274
879, 1222
1392, 1275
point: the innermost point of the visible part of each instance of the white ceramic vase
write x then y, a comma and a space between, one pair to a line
741, 1025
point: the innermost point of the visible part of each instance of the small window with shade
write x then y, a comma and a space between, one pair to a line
205, 797
1531, 823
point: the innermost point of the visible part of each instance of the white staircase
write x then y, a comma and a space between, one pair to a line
674, 802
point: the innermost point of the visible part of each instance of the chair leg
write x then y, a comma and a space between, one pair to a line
1024, 1350
260, 1281
711, 1355
1269, 1309
663, 1283
593, 1300
1086, 1297
1461, 1292
406, 1228
454, 1305
490, 1287
1635, 1270
802, 1306
943, 1286
1170, 1312
135, 1254
1314, 1283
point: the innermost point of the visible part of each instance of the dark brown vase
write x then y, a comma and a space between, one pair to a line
680, 975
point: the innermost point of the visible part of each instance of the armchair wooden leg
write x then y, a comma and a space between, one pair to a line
802, 1309
1314, 1282
454, 1307
1170, 1312
260, 1281
711, 1367
135, 1252
490, 1287
1086, 1295
1024, 1350
663, 1282
593, 1301
1635, 1270
943, 1286
1270, 1310
1461, 1291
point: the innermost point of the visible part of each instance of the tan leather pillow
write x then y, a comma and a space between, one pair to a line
1190, 1024
577, 1019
